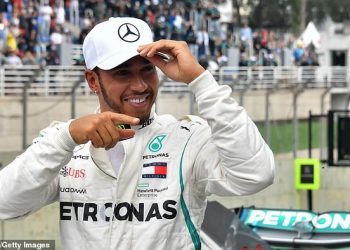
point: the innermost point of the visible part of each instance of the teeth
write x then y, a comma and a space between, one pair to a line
137, 100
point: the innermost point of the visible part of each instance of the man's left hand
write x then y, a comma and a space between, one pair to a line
182, 65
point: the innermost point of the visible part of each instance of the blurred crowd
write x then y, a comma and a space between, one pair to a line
265, 47
32, 31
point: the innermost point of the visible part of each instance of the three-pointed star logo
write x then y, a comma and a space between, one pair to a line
128, 33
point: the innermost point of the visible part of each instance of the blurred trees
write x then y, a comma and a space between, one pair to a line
337, 10
289, 14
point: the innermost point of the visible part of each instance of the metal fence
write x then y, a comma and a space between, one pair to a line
56, 80
50, 80
262, 77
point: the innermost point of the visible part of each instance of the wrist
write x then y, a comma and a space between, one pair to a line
65, 139
196, 73
203, 84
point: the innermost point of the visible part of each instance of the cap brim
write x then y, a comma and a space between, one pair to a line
115, 60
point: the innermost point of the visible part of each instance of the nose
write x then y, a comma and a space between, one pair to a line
138, 84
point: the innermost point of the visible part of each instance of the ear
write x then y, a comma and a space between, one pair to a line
92, 80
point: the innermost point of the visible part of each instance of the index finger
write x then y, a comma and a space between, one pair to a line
123, 119
165, 46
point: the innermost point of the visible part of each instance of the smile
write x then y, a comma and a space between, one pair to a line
136, 99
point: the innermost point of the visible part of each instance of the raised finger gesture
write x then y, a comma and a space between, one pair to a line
101, 129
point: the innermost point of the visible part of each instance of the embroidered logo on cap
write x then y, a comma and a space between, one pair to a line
128, 33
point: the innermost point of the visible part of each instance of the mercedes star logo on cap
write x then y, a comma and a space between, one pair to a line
128, 33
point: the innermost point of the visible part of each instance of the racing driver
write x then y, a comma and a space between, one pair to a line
125, 177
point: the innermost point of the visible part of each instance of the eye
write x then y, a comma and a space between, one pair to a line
149, 68
121, 72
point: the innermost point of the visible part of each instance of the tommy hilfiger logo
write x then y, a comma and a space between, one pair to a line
156, 143
154, 170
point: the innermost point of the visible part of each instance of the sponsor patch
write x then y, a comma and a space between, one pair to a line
72, 190
156, 143
122, 211
83, 157
160, 155
143, 185
146, 123
150, 192
154, 170
75, 173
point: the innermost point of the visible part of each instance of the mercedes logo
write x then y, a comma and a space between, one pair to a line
128, 33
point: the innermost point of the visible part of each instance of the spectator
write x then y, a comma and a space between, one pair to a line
11, 58
60, 13
191, 39
52, 55
56, 37
213, 65
160, 28
213, 16
44, 20
93, 6
298, 53
36, 20
221, 59
11, 38
29, 58
3, 31
246, 33
74, 13
199, 17
4, 7
203, 43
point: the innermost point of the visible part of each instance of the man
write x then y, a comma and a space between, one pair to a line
125, 177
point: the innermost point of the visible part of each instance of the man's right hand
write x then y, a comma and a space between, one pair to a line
101, 129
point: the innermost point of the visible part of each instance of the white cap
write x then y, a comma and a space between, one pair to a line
112, 42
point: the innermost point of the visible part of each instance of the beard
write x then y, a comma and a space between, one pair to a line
110, 103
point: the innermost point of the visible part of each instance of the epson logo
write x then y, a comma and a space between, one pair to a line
117, 211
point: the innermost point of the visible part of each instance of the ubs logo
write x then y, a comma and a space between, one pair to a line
128, 33
75, 173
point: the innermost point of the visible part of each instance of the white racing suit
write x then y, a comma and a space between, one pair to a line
158, 198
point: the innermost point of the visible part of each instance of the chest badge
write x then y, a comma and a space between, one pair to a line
156, 143
154, 170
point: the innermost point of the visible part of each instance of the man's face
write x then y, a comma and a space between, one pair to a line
130, 88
